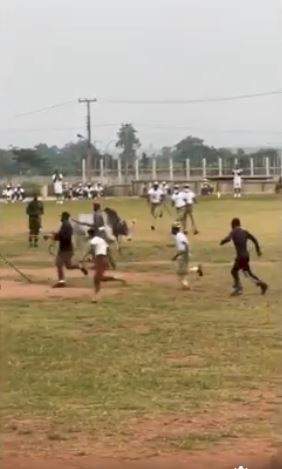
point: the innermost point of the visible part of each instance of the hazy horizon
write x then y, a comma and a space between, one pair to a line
163, 49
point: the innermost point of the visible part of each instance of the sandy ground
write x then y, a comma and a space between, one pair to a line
12, 286
249, 456
22, 452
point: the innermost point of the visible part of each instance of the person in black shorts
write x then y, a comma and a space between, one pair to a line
240, 238
65, 251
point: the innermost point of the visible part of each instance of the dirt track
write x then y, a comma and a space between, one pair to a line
12, 287
227, 460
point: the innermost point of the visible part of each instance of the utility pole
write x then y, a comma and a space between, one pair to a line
88, 103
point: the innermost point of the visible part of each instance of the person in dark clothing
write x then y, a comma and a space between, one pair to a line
98, 218
65, 251
34, 210
240, 238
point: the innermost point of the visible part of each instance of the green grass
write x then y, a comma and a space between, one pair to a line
148, 353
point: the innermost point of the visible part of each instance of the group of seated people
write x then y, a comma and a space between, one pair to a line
81, 191
13, 193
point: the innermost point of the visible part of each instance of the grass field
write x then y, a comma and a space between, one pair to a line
151, 368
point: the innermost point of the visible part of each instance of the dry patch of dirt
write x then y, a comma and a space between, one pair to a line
151, 439
254, 454
13, 287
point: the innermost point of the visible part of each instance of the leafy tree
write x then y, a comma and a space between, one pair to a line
29, 160
128, 142
7, 164
189, 147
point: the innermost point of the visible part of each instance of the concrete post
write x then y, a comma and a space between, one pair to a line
220, 167
267, 166
154, 168
188, 171
102, 168
204, 165
44, 192
252, 166
171, 175
137, 169
119, 170
83, 169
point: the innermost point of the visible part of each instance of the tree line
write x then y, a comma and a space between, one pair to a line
43, 159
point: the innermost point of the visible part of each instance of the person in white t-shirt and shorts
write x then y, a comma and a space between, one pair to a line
156, 198
99, 249
237, 182
57, 180
182, 256
190, 201
179, 201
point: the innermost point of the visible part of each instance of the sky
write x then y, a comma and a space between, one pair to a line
56, 51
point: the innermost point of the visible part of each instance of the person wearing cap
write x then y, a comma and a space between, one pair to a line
179, 201
156, 198
190, 198
65, 251
182, 255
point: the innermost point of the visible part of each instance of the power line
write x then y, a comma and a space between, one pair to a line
44, 109
194, 100
161, 101
156, 126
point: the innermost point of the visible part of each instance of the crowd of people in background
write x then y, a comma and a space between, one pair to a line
81, 191
87, 191
13, 193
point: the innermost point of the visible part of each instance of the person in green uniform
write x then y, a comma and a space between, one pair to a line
34, 210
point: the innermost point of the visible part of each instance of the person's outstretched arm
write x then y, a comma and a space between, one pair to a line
90, 225
255, 242
226, 240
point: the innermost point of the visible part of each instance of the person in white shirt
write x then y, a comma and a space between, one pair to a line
57, 179
190, 201
18, 193
182, 255
237, 182
155, 199
179, 201
99, 250
8, 193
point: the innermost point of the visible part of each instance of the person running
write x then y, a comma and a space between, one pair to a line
240, 238
99, 250
179, 201
190, 197
65, 251
100, 222
34, 211
182, 255
155, 199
